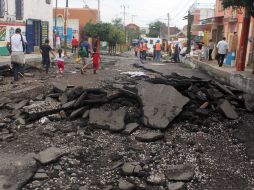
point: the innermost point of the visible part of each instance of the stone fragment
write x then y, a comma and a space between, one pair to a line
150, 136
74, 93
224, 89
21, 104
49, 155
203, 112
125, 185
130, 128
68, 105
131, 168
78, 103
16, 171
76, 113
40, 176
161, 104
176, 186
112, 120
204, 105
157, 179
249, 102
86, 114
63, 114
2, 125
44, 121
180, 172
59, 87
227, 109
6, 137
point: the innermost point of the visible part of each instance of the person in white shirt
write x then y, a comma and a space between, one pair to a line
17, 44
222, 47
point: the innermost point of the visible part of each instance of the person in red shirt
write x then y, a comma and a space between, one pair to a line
74, 44
96, 60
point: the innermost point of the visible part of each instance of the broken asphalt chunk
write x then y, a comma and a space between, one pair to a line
161, 104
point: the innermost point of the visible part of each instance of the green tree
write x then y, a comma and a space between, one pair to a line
248, 5
118, 22
106, 31
155, 28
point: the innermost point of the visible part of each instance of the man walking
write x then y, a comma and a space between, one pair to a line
158, 51
85, 46
74, 45
17, 44
222, 47
210, 48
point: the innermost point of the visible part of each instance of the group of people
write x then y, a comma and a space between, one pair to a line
142, 49
17, 43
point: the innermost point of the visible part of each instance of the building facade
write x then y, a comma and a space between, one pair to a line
34, 17
77, 18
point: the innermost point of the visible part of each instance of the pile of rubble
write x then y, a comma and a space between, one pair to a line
150, 103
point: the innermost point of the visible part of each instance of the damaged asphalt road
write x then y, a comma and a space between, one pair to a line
155, 131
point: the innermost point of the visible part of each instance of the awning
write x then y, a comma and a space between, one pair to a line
216, 19
202, 27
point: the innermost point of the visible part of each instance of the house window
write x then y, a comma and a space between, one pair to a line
19, 4
2, 8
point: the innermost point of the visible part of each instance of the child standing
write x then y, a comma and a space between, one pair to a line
96, 60
45, 49
60, 61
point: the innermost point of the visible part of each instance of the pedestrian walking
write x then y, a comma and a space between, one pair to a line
85, 50
176, 53
60, 62
74, 45
210, 49
96, 60
58, 41
17, 44
141, 50
136, 50
158, 48
222, 47
145, 49
45, 49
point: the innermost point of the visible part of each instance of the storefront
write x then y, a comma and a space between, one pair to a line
36, 33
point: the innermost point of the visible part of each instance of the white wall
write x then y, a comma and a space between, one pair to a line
38, 9
33, 9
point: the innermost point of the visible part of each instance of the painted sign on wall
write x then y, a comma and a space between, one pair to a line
2, 33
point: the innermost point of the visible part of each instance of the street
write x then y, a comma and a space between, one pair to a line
152, 126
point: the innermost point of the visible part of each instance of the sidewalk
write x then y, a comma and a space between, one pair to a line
242, 80
6, 60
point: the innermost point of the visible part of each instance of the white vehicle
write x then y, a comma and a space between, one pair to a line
150, 43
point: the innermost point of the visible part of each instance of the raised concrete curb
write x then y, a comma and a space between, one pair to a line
241, 80
6, 60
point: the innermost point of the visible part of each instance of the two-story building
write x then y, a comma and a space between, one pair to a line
34, 17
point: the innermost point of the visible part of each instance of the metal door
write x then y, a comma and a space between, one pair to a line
30, 35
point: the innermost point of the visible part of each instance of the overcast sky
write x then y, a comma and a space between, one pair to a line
142, 12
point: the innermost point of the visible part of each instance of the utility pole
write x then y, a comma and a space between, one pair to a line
168, 26
124, 21
189, 36
99, 11
55, 31
65, 27
132, 18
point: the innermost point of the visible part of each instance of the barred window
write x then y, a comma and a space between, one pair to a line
2, 8
19, 9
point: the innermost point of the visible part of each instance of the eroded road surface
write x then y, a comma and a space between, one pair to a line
131, 126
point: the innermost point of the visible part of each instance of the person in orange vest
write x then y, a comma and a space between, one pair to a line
158, 51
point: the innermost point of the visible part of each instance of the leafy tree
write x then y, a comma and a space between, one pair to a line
118, 22
155, 28
106, 31
248, 5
